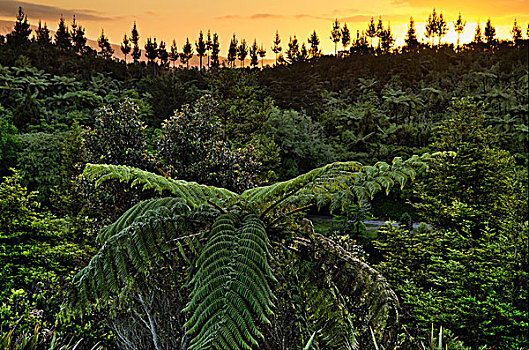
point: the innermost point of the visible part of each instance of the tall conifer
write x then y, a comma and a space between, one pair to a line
371, 31
215, 50
173, 55
106, 49
62, 36
336, 34
459, 27
43, 34
125, 47
277, 48
346, 36
135, 40
242, 51
187, 53
200, 46
314, 42
232, 51
411, 37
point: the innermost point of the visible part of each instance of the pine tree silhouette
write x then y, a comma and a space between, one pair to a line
209, 45
262, 54
380, 31
163, 55
346, 36
431, 27
254, 54
232, 51
335, 35
490, 33
173, 55
459, 27
276, 48
200, 46
478, 35
293, 50
516, 32
134, 39
78, 37
125, 47
106, 49
151, 50
187, 53
371, 31
62, 36
411, 37
21, 31
303, 53
387, 39
314, 42
215, 50
242, 52
43, 34
441, 28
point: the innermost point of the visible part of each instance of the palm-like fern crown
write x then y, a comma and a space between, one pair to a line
230, 286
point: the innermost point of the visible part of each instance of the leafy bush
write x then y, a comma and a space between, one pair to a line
39, 159
301, 140
475, 287
191, 147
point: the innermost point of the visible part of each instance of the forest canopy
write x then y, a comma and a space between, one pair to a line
151, 204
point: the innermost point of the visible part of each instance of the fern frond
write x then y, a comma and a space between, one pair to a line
231, 286
192, 193
333, 184
356, 279
134, 245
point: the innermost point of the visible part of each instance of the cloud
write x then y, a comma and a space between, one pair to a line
46, 12
356, 18
229, 17
265, 15
304, 15
254, 16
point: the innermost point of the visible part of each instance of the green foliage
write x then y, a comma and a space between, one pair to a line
191, 147
349, 224
8, 145
36, 263
118, 136
27, 113
474, 287
234, 257
473, 184
242, 107
40, 161
230, 286
301, 140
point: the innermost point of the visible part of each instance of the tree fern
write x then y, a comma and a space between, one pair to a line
231, 287
230, 273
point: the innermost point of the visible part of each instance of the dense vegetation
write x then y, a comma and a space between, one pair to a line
140, 242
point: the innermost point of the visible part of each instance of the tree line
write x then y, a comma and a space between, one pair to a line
208, 46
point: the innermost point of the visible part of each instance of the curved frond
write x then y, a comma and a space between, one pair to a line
355, 279
143, 238
334, 183
193, 193
231, 287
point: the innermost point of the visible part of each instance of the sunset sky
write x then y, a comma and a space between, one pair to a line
177, 19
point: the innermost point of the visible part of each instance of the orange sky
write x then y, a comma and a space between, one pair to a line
178, 19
